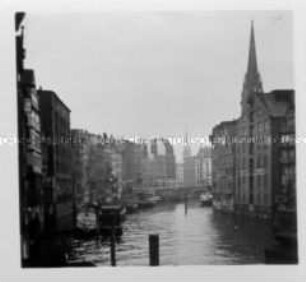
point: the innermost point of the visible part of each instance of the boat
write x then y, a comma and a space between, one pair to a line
131, 207
148, 200
155, 199
87, 220
206, 199
111, 217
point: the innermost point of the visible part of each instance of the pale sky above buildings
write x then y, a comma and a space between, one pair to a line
150, 73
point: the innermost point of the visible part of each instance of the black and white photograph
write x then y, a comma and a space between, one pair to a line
156, 139
165, 138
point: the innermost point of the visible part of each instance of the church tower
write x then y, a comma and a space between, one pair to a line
187, 149
252, 81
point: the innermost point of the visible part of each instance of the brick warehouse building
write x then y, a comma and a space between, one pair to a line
80, 148
59, 197
29, 150
264, 155
203, 166
223, 164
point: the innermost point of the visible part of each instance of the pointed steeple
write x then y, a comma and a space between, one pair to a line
252, 63
187, 150
186, 141
252, 81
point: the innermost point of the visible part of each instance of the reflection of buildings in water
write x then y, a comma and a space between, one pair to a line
242, 236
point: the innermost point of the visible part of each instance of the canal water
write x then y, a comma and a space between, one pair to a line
200, 237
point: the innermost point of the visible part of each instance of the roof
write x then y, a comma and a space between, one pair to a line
42, 92
278, 102
231, 124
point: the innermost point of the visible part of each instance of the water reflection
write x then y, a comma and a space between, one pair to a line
240, 239
198, 238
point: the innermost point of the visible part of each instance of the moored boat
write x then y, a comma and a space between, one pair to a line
111, 217
148, 200
87, 220
206, 199
131, 207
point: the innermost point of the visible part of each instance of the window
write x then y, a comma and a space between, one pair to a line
251, 116
266, 181
292, 155
257, 197
284, 156
251, 164
34, 97
266, 126
258, 161
265, 161
284, 126
251, 147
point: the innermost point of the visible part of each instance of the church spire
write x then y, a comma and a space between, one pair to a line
187, 150
252, 81
252, 63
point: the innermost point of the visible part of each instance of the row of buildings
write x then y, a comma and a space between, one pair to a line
253, 156
195, 170
46, 202
141, 165
61, 168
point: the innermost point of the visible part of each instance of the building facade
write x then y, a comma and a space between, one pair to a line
284, 155
224, 166
190, 172
203, 167
80, 153
32, 222
98, 170
158, 163
59, 194
132, 162
179, 174
263, 165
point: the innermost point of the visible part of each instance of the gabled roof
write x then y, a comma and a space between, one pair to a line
278, 102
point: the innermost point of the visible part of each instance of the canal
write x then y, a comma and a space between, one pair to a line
201, 237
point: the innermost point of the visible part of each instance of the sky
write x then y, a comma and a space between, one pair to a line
156, 73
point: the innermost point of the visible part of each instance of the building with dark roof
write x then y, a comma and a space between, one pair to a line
31, 190
258, 174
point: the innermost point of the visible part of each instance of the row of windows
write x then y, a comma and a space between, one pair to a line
224, 186
261, 161
63, 160
259, 143
34, 140
260, 182
258, 199
286, 125
258, 127
287, 156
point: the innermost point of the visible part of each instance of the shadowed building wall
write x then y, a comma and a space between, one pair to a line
55, 117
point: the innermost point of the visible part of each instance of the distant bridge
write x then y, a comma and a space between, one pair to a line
173, 192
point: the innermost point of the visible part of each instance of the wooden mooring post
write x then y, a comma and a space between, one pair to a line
154, 249
186, 203
113, 245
